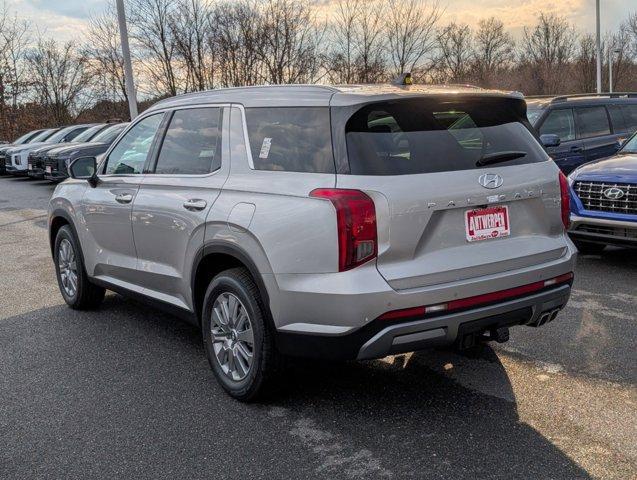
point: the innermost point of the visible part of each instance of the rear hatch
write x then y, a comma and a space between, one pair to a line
462, 188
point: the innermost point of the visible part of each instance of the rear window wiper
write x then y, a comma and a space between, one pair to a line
498, 157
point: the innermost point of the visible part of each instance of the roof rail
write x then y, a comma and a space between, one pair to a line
563, 98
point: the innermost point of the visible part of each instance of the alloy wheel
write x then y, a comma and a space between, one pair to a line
232, 336
67, 266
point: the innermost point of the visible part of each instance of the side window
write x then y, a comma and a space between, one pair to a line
630, 117
129, 155
192, 144
617, 119
592, 122
73, 134
291, 139
560, 122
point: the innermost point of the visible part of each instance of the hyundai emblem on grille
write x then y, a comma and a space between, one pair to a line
614, 193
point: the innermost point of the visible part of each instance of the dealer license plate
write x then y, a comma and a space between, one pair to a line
486, 223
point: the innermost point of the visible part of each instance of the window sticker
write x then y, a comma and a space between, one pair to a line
265, 147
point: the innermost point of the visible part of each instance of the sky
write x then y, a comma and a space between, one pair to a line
67, 19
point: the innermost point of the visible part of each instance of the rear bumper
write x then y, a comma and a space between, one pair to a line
604, 231
381, 338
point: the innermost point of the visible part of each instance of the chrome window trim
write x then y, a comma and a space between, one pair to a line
245, 134
163, 111
225, 123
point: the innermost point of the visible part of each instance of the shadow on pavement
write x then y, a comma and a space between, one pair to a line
126, 391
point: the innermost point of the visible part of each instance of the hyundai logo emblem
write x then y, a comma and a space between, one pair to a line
613, 193
490, 180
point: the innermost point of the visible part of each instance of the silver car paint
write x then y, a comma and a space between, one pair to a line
291, 238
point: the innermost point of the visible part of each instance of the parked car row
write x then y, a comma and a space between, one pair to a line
47, 153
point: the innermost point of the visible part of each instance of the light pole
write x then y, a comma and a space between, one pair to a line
599, 50
128, 66
610, 68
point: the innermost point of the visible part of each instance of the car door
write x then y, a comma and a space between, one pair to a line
173, 201
593, 129
108, 206
568, 154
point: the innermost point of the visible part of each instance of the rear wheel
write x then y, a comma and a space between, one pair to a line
76, 289
238, 341
588, 248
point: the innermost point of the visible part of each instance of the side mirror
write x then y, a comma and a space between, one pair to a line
84, 168
550, 140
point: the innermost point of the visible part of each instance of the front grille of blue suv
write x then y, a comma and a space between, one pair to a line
604, 201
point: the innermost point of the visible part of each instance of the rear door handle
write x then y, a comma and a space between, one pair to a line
124, 198
195, 204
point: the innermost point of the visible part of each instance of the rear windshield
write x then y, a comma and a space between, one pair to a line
438, 135
291, 139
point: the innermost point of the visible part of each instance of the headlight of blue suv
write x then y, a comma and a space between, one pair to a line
571, 177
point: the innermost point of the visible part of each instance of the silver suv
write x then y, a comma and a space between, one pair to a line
332, 222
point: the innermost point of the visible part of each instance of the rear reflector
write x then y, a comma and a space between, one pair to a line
477, 300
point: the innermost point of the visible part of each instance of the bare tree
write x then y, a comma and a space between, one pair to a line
189, 25
60, 78
292, 35
585, 64
548, 49
411, 33
493, 50
620, 49
342, 56
150, 22
456, 51
370, 43
104, 54
235, 39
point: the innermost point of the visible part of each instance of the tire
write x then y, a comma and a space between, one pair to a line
227, 343
67, 255
587, 248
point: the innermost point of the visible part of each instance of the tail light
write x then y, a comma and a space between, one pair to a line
356, 223
565, 201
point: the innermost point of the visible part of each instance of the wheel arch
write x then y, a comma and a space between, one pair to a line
213, 258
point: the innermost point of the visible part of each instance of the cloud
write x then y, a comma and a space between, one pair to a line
67, 19
80, 9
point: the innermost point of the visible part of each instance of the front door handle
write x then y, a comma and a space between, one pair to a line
124, 198
576, 149
195, 204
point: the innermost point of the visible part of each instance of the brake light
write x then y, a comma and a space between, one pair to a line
356, 224
565, 201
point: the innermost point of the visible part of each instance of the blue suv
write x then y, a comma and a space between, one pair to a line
604, 201
576, 129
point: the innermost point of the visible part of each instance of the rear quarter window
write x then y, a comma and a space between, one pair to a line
437, 135
592, 122
290, 139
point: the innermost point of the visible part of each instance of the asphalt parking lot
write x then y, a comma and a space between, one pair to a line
126, 392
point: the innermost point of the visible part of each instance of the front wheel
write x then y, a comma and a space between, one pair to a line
76, 289
238, 341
